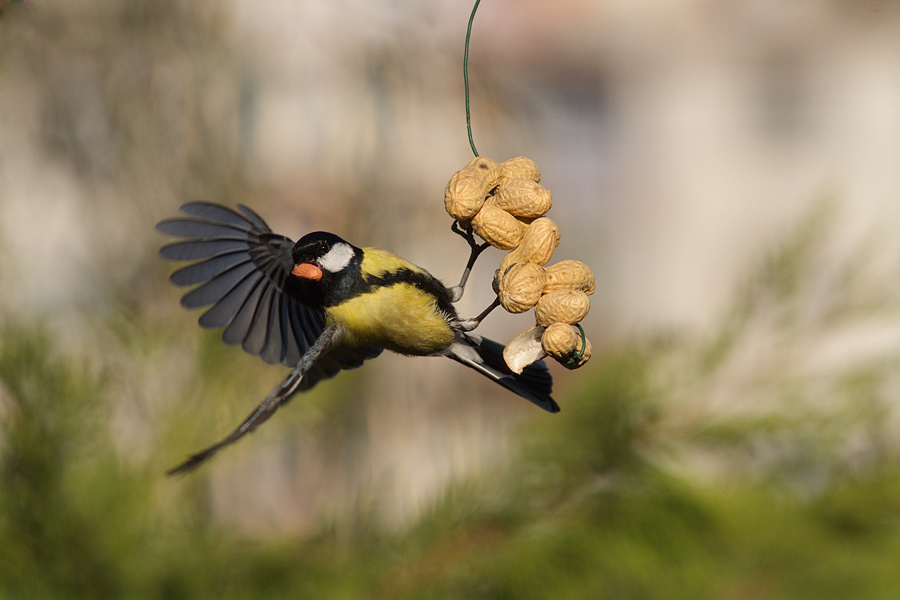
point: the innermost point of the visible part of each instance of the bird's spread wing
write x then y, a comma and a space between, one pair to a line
242, 268
293, 382
486, 357
288, 386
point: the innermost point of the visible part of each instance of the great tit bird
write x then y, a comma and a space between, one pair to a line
322, 305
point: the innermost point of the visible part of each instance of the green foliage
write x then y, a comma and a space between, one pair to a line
46, 510
75, 521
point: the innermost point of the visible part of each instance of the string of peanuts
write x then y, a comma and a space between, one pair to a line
505, 204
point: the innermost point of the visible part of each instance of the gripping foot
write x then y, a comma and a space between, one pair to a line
465, 231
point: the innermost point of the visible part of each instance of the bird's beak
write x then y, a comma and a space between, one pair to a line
307, 271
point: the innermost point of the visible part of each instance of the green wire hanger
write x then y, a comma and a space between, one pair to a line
466, 77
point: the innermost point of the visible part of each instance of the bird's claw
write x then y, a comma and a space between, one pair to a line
465, 231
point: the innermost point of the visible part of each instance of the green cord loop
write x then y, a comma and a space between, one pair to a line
466, 77
579, 354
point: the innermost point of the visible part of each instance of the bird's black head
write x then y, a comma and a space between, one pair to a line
326, 265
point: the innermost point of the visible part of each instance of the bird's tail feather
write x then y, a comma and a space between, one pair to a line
486, 356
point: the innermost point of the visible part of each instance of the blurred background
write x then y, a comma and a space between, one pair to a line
728, 168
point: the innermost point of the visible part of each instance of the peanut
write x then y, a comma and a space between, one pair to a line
487, 170
585, 356
495, 282
569, 275
560, 340
561, 306
523, 198
521, 286
521, 168
468, 187
497, 227
464, 195
538, 243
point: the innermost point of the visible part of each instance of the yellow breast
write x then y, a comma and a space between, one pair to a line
398, 317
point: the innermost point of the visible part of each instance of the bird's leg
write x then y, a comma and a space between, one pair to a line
476, 250
470, 324
267, 407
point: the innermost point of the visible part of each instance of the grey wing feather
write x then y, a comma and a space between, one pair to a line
207, 269
241, 270
196, 250
251, 214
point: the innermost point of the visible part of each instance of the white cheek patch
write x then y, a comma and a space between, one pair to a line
337, 258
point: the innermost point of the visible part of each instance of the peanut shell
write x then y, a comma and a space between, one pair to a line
538, 243
521, 287
523, 198
526, 221
520, 168
497, 227
569, 275
524, 350
464, 195
585, 355
486, 169
560, 340
561, 306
